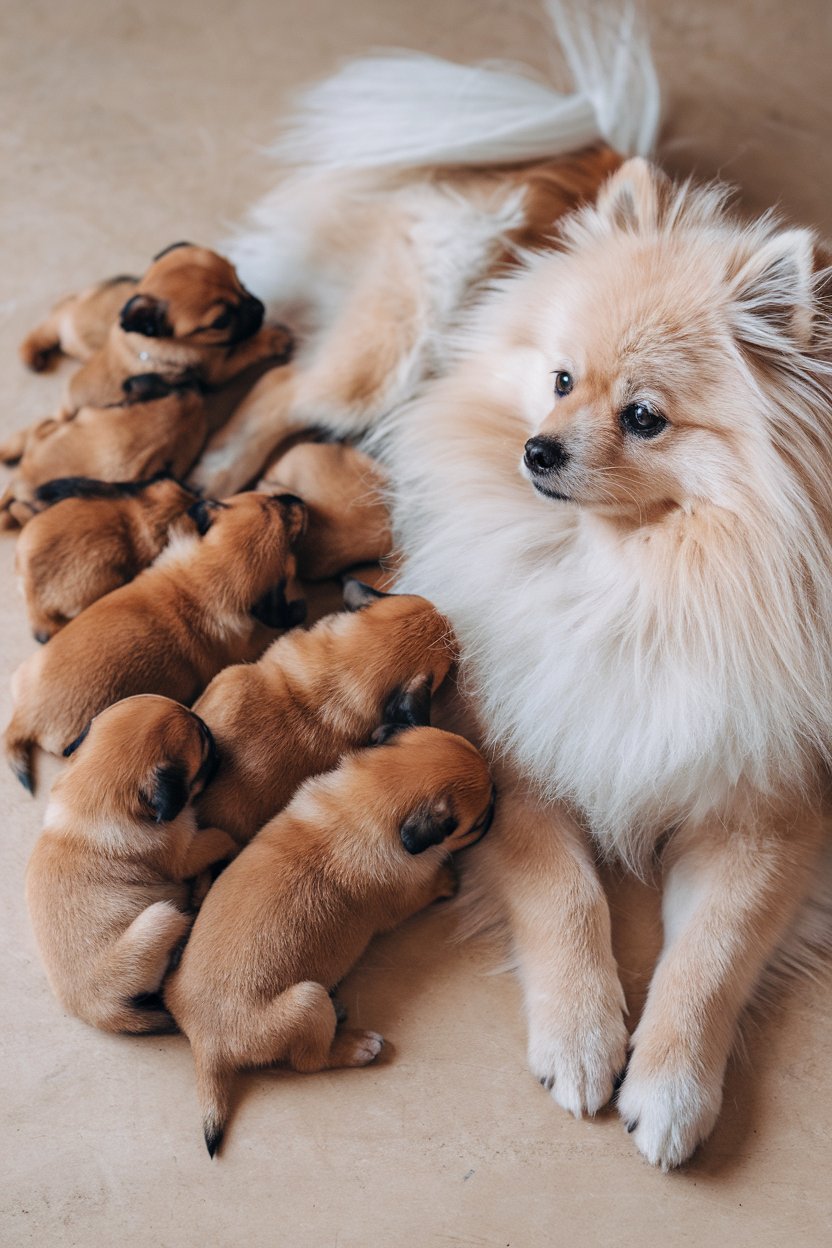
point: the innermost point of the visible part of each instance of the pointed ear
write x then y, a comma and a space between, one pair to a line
430, 824
358, 595
408, 706
630, 199
774, 289
146, 316
167, 794
203, 513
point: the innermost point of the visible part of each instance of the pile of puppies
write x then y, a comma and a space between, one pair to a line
307, 757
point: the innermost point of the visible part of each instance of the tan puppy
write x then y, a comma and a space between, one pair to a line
92, 537
210, 599
77, 325
343, 490
158, 426
105, 883
315, 695
189, 312
357, 851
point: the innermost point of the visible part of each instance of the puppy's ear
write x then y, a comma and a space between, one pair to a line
774, 290
430, 824
73, 745
296, 515
203, 513
407, 707
358, 595
275, 610
631, 199
146, 316
145, 387
171, 247
167, 794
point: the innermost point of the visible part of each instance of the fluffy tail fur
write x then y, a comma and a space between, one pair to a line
405, 110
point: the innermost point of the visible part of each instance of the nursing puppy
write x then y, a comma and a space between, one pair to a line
157, 426
106, 883
343, 490
189, 313
356, 852
210, 599
92, 537
313, 696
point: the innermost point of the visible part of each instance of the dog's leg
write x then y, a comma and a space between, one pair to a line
364, 365
731, 889
135, 967
537, 861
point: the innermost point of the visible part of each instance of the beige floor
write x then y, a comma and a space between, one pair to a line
126, 126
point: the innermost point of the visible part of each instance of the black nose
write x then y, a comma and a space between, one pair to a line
545, 455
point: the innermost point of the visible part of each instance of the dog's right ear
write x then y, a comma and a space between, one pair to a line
407, 707
203, 513
145, 387
146, 316
357, 594
73, 745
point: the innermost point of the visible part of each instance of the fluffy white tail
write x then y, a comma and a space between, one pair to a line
407, 109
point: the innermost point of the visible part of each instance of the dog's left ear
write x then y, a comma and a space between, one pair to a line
146, 316
430, 824
774, 290
407, 707
202, 512
631, 199
167, 794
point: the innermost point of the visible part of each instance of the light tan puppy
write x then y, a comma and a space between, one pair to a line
210, 599
92, 537
189, 312
158, 426
343, 490
77, 325
106, 882
357, 851
313, 696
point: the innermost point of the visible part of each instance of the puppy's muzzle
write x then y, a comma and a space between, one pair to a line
248, 318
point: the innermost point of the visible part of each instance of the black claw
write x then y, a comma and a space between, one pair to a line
631, 1126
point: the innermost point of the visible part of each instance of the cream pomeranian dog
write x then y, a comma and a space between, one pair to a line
613, 473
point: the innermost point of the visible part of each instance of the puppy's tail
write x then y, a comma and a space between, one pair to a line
19, 753
212, 1088
407, 109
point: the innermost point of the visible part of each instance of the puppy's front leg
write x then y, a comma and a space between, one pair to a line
731, 889
272, 342
208, 846
537, 860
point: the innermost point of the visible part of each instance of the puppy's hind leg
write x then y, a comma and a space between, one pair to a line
40, 349
131, 972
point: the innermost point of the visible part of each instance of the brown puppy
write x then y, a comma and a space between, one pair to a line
343, 491
105, 883
210, 599
77, 325
357, 851
92, 537
158, 426
315, 695
189, 312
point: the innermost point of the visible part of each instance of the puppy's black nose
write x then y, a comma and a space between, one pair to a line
544, 455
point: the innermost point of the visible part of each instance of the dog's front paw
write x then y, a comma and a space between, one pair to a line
216, 474
578, 1056
668, 1110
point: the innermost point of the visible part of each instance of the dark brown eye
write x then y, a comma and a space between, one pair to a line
563, 383
642, 420
222, 321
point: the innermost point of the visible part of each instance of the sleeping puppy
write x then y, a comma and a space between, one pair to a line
189, 312
356, 852
77, 325
92, 537
315, 695
158, 425
210, 599
106, 881
343, 490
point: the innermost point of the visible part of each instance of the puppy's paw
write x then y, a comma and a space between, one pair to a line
578, 1053
279, 342
355, 1048
668, 1111
447, 882
216, 474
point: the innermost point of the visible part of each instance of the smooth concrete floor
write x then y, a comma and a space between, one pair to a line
127, 126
